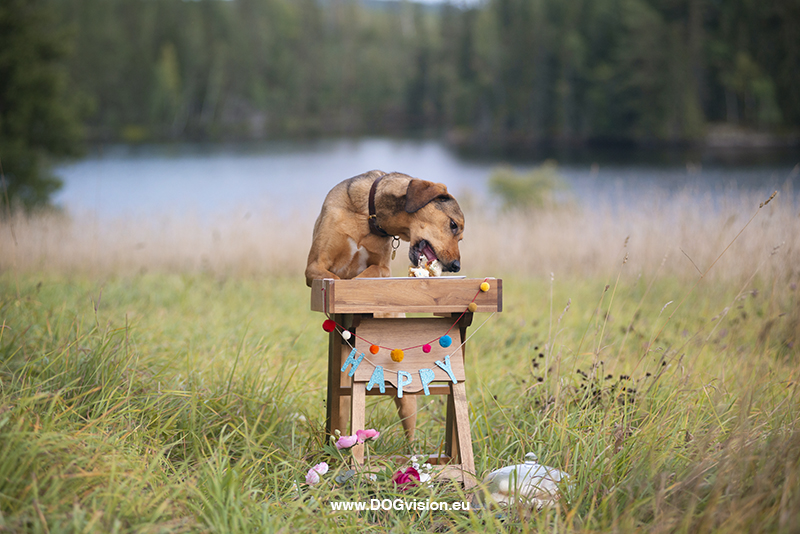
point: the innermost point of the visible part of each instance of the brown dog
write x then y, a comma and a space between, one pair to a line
363, 216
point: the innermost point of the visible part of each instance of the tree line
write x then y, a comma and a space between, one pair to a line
505, 71
502, 73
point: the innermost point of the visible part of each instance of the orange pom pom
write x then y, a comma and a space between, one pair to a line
374, 349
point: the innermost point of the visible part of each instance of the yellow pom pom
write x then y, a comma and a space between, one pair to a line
397, 355
472, 307
485, 287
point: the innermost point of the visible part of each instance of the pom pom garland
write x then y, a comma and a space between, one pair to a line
329, 325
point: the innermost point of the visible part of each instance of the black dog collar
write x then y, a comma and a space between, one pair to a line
374, 227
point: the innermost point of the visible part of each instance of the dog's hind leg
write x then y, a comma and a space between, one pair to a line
407, 408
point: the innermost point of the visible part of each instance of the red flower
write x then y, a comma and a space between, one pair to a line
405, 479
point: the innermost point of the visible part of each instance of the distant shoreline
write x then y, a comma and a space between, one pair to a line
718, 136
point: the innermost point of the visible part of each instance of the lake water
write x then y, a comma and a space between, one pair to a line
294, 177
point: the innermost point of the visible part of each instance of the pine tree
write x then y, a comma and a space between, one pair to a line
38, 118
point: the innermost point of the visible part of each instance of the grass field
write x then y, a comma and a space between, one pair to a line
144, 389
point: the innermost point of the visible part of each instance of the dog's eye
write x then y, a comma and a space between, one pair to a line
453, 226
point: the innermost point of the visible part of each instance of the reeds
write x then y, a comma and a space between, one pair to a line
682, 231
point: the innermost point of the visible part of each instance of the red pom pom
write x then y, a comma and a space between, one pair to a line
426, 348
329, 325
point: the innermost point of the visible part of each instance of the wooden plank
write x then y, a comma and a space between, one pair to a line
409, 295
401, 333
456, 472
391, 391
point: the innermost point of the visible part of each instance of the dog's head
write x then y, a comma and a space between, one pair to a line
436, 225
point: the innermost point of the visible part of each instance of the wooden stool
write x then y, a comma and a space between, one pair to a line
354, 371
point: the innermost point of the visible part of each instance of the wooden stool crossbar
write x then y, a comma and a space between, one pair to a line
354, 372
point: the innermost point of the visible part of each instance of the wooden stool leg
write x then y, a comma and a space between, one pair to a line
358, 416
344, 400
332, 398
450, 431
462, 430
337, 406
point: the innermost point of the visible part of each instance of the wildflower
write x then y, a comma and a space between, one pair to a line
321, 468
369, 434
345, 442
424, 473
406, 479
312, 477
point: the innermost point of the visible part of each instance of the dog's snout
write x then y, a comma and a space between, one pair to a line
455, 266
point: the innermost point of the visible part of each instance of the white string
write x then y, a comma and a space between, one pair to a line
475, 331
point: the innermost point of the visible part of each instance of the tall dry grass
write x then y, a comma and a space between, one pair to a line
679, 235
175, 403
231, 243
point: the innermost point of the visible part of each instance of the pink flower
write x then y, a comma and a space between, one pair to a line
369, 434
321, 468
406, 479
345, 442
312, 477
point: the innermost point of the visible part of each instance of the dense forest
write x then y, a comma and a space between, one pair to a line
502, 72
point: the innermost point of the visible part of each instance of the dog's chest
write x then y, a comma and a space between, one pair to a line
354, 262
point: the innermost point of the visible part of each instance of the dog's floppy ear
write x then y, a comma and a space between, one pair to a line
421, 192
